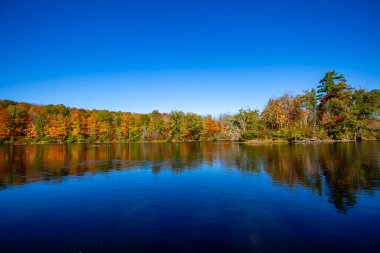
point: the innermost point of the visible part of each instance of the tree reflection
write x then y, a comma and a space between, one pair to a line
339, 171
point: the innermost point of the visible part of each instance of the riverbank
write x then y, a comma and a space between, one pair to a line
250, 142
309, 141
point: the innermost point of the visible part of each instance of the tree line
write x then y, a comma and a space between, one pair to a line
332, 110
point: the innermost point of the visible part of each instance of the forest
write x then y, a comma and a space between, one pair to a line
333, 110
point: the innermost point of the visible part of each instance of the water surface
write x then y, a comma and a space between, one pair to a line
190, 197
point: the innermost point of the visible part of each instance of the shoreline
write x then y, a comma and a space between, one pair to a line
250, 142
311, 141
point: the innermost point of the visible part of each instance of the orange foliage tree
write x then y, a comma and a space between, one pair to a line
56, 127
210, 127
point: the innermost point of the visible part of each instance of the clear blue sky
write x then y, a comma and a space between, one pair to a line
200, 56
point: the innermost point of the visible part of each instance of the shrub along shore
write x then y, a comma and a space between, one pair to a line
333, 111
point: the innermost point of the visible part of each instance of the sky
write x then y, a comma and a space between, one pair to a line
207, 57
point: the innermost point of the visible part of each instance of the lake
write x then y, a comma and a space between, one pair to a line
190, 197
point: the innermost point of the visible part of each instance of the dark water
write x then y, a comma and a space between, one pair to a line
190, 197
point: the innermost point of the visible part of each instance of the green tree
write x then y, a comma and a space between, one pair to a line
309, 103
366, 106
193, 125
334, 104
247, 122
175, 119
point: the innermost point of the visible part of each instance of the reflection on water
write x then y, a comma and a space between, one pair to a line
339, 171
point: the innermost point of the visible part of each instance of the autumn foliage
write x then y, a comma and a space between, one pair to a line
333, 110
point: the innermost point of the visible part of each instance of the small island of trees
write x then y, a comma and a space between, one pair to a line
333, 110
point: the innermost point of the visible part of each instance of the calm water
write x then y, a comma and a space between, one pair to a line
190, 197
